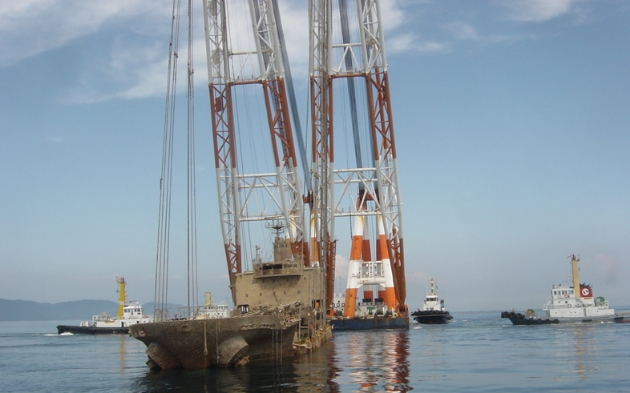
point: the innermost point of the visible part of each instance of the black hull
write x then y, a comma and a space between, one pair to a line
521, 319
91, 330
432, 317
370, 323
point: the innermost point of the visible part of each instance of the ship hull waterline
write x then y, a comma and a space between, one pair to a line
343, 324
432, 317
521, 319
61, 329
220, 342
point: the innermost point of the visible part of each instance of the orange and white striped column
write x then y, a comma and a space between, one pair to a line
389, 294
354, 267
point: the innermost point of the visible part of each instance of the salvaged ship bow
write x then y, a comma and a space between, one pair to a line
221, 342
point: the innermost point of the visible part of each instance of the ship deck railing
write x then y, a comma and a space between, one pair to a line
277, 269
177, 313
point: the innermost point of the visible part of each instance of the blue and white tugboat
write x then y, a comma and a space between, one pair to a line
569, 304
433, 311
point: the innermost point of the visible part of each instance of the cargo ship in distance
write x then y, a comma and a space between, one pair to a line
129, 313
570, 304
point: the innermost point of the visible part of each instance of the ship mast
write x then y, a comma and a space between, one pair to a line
122, 296
575, 274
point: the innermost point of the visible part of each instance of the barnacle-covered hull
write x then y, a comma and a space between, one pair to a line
220, 342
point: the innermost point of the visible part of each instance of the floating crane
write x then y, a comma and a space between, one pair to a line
272, 194
248, 193
240, 194
373, 186
372, 183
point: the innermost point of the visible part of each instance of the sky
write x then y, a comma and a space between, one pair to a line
512, 125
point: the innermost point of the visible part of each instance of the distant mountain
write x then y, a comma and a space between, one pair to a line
23, 310
81, 310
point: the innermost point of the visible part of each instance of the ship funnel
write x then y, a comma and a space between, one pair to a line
208, 299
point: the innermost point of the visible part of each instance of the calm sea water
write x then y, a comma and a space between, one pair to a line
476, 352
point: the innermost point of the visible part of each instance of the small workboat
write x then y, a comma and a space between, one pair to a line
433, 311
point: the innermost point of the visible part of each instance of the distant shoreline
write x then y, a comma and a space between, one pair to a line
79, 310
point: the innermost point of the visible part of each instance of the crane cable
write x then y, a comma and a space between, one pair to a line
166, 177
191, 182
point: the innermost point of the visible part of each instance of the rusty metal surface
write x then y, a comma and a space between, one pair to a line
197, 344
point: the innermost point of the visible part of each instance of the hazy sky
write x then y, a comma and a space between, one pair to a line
512, 119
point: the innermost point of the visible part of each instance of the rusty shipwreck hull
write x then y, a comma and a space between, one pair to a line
221, 342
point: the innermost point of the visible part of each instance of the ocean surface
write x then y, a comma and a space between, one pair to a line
477, 352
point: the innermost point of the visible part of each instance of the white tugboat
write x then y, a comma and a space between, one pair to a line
129, 313
433, 311
569, 304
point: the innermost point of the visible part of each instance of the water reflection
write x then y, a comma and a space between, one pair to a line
333, 371
122, 353
373, 361
305, 374
575, 351
356, 361
481, 355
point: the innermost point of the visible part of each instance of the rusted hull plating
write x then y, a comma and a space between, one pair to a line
222, 342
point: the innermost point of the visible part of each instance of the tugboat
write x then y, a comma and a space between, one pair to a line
129, 313
573, 304
433, 311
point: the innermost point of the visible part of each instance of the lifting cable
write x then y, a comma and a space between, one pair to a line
191, 182
166, 179
161, 265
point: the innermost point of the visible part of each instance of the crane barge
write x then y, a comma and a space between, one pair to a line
376, 289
